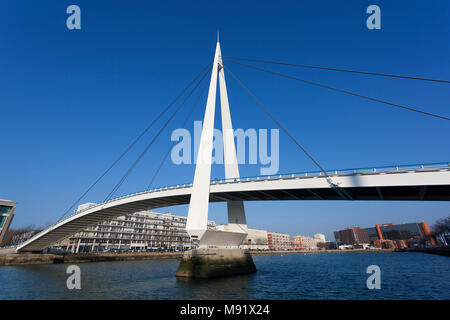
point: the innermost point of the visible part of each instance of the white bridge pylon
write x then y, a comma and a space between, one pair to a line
232, 234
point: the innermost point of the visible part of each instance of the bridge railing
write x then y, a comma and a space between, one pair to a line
303, 174
350, 171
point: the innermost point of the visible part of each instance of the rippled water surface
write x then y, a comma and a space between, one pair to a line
296, 276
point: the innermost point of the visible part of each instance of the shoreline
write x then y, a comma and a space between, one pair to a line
14, 259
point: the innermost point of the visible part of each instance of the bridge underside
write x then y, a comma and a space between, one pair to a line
391, 193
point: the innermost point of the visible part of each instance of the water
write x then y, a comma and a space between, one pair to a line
296, 276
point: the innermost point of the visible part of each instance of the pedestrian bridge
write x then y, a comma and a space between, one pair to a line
429, 182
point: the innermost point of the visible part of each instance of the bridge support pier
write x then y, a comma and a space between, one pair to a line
217, 253
215, 262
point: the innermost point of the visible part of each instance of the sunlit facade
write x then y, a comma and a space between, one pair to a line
140, 231
6, 215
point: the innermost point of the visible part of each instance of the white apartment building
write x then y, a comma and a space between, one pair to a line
256, 240
304, 242
320, 236
279, 241
143, 230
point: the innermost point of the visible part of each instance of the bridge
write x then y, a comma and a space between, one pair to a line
412, 183
427, 182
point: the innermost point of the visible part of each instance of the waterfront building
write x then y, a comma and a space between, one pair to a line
337, 237
142, 230
353, 236
256, 240
320, 236
6, 215
388, 235
419, 232
279, 241
308, 243
329, 245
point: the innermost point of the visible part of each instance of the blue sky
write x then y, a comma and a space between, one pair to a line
72, 100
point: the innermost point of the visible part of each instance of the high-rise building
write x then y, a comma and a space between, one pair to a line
137, 231
6, 215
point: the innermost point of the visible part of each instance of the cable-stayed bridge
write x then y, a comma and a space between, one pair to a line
429, 182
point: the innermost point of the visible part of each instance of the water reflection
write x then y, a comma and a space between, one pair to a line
236, 287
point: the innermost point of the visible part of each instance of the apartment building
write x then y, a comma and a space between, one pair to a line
143, 230
307, 243
256, 240
352, 236
279, 241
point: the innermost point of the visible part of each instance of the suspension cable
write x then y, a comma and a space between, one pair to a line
340, 70
170, 147
341, 90
124, 177
135, 141
342, 193
261, 105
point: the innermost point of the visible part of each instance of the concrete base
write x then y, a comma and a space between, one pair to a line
222, 238
215, 262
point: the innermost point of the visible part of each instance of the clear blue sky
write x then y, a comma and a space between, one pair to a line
71, 101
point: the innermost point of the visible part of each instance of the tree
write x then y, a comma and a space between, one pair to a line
15, 235
441, 230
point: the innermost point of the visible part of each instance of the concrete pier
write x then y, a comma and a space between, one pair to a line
215, 262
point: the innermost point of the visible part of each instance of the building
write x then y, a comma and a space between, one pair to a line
256, 240
308, 243
320, 237
388, 235
404, 231
337, 237
353, 236
6, 215
329, 245
279, 241
304, 242
138, 231
416, 232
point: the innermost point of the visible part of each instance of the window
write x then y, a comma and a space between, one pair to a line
2, 221
5, 209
